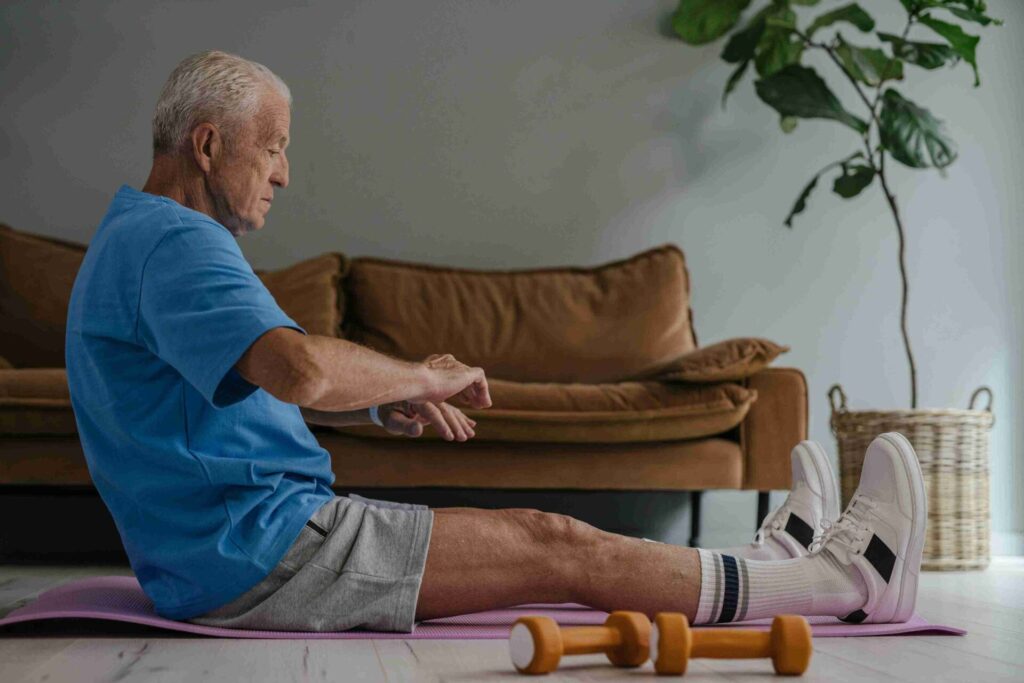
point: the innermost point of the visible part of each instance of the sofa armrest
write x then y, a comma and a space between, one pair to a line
777, 422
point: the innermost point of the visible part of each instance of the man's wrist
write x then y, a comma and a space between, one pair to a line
424, 384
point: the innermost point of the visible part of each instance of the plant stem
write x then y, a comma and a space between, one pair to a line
856, 86
903, 275
879, 170
878, 88
891, 198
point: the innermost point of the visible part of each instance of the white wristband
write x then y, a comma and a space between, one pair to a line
375, 416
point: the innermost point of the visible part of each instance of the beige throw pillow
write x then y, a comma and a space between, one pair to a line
725, 361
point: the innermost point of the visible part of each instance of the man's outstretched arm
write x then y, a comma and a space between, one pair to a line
335, 381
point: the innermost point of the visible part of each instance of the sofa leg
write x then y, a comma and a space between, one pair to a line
695, 498
762, 507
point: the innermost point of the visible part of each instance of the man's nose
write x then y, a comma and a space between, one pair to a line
280, 175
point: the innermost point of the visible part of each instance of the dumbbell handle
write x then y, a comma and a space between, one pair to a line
731, 644
581, 640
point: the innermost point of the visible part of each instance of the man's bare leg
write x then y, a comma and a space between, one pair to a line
486, 559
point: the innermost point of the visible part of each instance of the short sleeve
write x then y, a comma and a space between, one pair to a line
201, 307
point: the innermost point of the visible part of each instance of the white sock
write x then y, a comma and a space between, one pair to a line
736, 589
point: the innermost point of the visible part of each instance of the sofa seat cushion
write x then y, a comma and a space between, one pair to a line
309, 293
35, 401
600, 413
601, 324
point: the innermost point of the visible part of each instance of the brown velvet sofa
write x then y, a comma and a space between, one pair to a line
596, 376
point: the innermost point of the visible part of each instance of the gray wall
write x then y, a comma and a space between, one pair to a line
516, 134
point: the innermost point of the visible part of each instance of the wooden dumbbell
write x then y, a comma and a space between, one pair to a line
673, 644
538, 643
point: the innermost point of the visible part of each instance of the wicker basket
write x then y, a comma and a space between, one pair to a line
952, 446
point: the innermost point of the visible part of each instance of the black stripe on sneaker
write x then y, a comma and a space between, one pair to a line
730, 588
800, 530
880, 557
854, 617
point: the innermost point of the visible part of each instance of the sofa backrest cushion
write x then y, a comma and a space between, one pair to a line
547, 325
308, 292
36, 276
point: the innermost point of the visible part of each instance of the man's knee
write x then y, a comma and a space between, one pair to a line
549, 527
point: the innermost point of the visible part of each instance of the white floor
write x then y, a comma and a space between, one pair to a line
990, 605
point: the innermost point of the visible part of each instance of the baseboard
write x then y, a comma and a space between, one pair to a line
1007, 543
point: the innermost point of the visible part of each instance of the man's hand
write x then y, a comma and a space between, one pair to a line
451, 379
408, 418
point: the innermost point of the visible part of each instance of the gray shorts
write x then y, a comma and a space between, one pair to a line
358, 563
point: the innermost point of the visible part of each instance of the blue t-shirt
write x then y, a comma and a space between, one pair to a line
208, 477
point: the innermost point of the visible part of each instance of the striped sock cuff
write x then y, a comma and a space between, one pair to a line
724, 588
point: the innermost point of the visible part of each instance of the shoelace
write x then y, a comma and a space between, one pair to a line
771, 523
850, 530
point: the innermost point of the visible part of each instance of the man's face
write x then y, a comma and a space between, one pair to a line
252, 165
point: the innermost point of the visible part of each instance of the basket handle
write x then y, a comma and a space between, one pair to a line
978, 392
842, 399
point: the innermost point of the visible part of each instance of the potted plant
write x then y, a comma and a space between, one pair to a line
772, 42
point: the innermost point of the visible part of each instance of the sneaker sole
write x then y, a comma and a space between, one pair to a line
911, 566
814, 458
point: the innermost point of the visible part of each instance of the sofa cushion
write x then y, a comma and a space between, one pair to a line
36, 276
548, 325
726, 361
35, 401
600, 413
308, 292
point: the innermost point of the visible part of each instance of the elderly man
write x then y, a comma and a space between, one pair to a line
192, 388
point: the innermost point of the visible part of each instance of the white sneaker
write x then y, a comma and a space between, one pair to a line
881, 533
789, 530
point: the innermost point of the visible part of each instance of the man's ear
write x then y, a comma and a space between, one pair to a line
207, 145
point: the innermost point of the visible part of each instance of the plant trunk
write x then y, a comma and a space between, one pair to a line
903, 276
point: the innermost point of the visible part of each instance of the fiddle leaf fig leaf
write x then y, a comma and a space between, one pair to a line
912, 135
978, 17
777, 47
779, 52
962, 43
870, 66
799, 91
734, 80
741, 45
852, 14
853, 180
968, 10
924, 55
801, 201
701, 21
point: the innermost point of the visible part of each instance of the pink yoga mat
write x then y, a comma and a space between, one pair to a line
120, 598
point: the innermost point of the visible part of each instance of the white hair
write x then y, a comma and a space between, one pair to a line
218, 87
